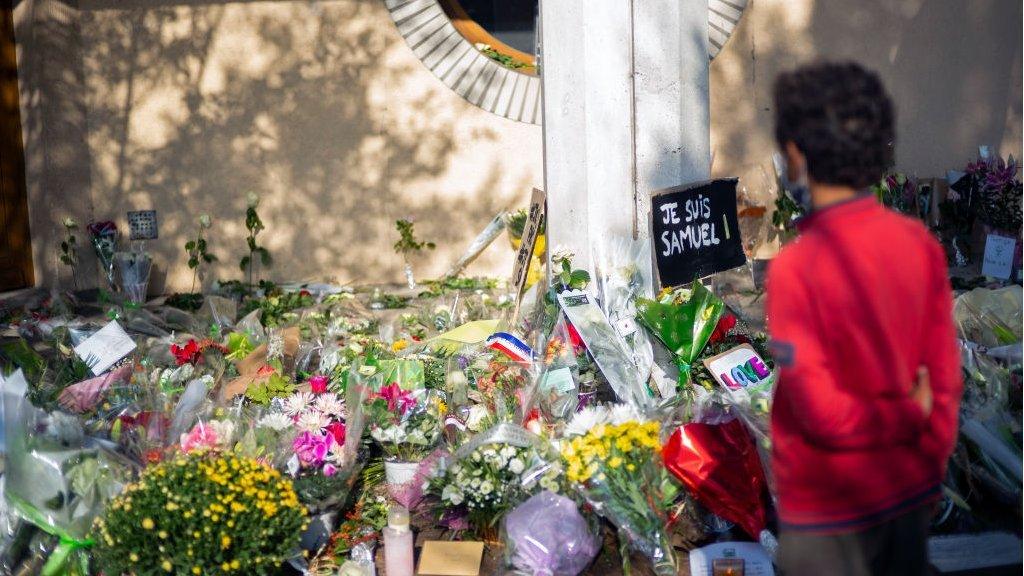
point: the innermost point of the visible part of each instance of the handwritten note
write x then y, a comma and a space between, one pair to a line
998, 260
695, 231
105, 348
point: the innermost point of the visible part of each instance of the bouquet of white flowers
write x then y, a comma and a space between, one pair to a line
494, 473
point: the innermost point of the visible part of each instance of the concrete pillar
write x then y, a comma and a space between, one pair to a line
625, 98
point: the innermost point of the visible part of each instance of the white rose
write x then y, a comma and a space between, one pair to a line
205, 221
486, 487
516, 466
252, 199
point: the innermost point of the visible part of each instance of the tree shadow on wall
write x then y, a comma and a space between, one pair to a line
304, 121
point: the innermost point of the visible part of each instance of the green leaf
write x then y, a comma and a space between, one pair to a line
193, 262
209, 258
243, 263
190, 245
264, 256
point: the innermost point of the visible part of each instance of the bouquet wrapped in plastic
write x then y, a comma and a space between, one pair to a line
56, 481
612, 458
493, 473
683, 319
547, 536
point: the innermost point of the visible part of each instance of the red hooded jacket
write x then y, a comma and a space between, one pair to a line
855, 305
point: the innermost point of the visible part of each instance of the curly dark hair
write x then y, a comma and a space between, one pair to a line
840, 116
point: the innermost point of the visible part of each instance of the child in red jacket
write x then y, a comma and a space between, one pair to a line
860, 315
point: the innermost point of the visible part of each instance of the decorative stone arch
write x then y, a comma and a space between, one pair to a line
446, 46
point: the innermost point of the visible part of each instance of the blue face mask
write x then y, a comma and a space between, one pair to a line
798, 188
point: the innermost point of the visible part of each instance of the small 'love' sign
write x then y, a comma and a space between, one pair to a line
695, 231
739, 368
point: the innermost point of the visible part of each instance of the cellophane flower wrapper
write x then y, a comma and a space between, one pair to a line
719, 465
493, 472
104, 241
558, 397
547, 536
56, 478
618, 470
683, 327
620, 281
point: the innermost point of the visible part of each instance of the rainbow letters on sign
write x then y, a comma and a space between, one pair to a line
738, 368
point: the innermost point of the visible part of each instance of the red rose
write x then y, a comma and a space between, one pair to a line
337, 429
726, 323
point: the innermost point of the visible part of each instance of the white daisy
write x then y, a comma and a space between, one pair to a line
297, 403
329, 404
586, 419
312, 421
275, 421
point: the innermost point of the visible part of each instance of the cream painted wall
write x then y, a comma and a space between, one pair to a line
953, 68
320, 107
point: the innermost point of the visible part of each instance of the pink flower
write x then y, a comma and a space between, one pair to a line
318, 384
312, 447
398, 400
199, 438
330, 470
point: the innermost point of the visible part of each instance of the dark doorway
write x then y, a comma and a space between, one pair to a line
15, 241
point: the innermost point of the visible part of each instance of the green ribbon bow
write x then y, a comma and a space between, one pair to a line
58, 562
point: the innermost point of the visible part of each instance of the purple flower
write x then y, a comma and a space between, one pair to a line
312, 447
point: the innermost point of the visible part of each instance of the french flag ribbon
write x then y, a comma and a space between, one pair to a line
511, 346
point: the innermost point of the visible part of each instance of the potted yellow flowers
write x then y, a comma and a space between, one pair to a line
201, 514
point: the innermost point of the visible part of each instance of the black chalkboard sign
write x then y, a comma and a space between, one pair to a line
695, 231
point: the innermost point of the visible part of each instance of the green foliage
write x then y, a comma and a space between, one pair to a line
445, 285
277, 306
503, 59
276, 386
568, 278
254, 224
786, 212
188, 301
69, 248
239, 345
407, 243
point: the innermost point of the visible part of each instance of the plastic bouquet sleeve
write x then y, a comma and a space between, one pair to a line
719, 465
547, 536
40, 483
683, 328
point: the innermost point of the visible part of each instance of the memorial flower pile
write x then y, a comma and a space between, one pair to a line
405, 423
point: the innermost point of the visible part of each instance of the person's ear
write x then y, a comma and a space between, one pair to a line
796, 162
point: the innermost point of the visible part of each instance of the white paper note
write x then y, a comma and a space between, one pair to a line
999, 252
755, 560
104, 348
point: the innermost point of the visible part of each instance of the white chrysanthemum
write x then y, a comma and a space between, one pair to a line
275, 421
312, 421
452, 494
508, 452
486, 487
330, 404
622, 413
297, 403
516, 466
586, 419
